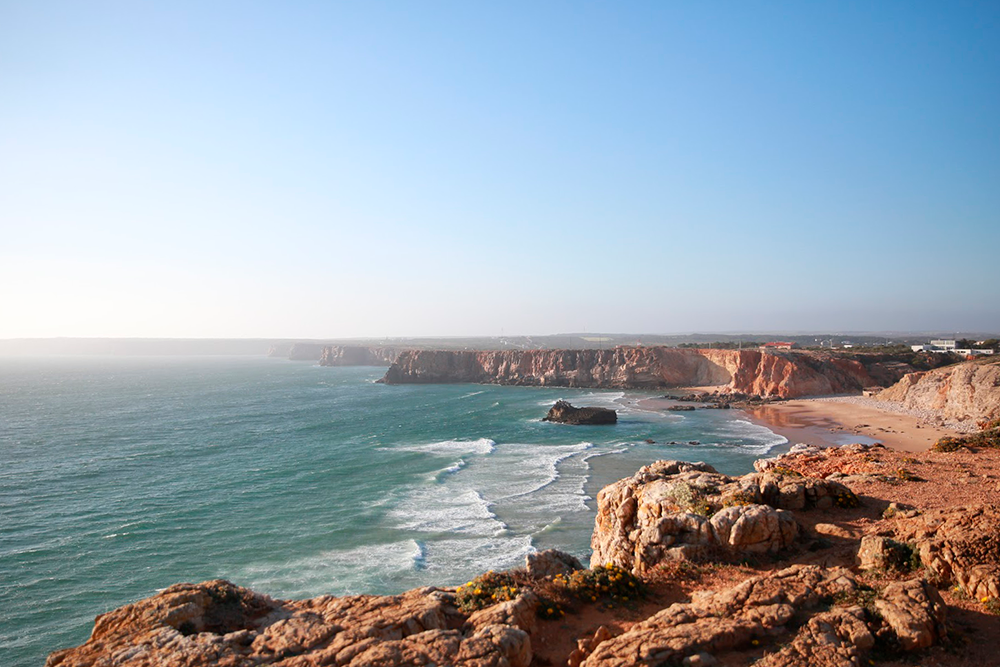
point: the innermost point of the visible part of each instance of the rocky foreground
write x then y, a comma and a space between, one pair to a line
839, 557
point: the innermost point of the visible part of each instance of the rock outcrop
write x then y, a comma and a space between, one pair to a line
790, 607
676, 510
217, 623
959, 545
551, 562
564, 413
356, 355
751, 372
966, 392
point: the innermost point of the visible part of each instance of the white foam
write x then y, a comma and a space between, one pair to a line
519, 469
479, 446
471, 394
440, 475
592, 399
467, 558
742, 429
335, 571
440, 509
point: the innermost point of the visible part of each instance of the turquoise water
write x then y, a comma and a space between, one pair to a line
121, 476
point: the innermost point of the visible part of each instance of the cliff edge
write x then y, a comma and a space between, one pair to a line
966, 392
777, 374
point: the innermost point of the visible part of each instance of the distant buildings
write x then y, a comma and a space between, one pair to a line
948, 346
777, 345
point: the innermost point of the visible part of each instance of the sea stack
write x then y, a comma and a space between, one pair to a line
564, 413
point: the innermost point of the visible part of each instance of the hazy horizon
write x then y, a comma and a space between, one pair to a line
339, 170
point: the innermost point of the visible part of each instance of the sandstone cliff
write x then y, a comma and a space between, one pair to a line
356, 355
785, 375
964, 392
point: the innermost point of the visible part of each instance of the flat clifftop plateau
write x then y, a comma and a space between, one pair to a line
837, 557
965, 392
356, 355
778, 374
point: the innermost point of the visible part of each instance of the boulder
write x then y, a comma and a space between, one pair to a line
564, 413
548, 563
673, 509
915, 612
884, 554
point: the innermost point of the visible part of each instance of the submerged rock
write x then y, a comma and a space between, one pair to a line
564, 413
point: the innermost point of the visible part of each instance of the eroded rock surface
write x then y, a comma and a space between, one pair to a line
217, 623
966, 392
960, 545
551, 562
673, 509
812, 611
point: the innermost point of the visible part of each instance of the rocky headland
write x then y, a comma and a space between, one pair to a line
356, 355
784, 374
837, 557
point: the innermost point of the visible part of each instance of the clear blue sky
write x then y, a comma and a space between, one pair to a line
230, 169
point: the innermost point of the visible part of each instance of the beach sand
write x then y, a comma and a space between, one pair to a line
826, 421
835, 421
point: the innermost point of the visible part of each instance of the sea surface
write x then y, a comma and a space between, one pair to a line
120, 476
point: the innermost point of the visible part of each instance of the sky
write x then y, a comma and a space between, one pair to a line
356, 169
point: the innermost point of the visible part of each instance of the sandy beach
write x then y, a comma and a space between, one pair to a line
842, 420
838, 420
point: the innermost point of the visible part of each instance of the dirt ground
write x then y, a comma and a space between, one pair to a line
924, 481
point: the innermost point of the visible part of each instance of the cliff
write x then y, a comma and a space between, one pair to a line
356, 355
785, 375
965, 392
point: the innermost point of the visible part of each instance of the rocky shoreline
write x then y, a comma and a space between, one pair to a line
844, 556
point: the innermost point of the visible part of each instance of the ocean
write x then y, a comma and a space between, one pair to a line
120, 476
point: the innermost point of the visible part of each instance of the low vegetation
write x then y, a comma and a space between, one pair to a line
608, 584
988, 437
485, 590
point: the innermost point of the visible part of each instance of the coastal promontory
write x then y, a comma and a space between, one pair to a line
784, 374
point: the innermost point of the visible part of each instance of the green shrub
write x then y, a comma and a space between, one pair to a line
846, 500
608, 583
485, 590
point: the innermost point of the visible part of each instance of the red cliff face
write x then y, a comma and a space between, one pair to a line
785, 375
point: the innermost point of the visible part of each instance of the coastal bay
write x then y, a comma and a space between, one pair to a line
122, 476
